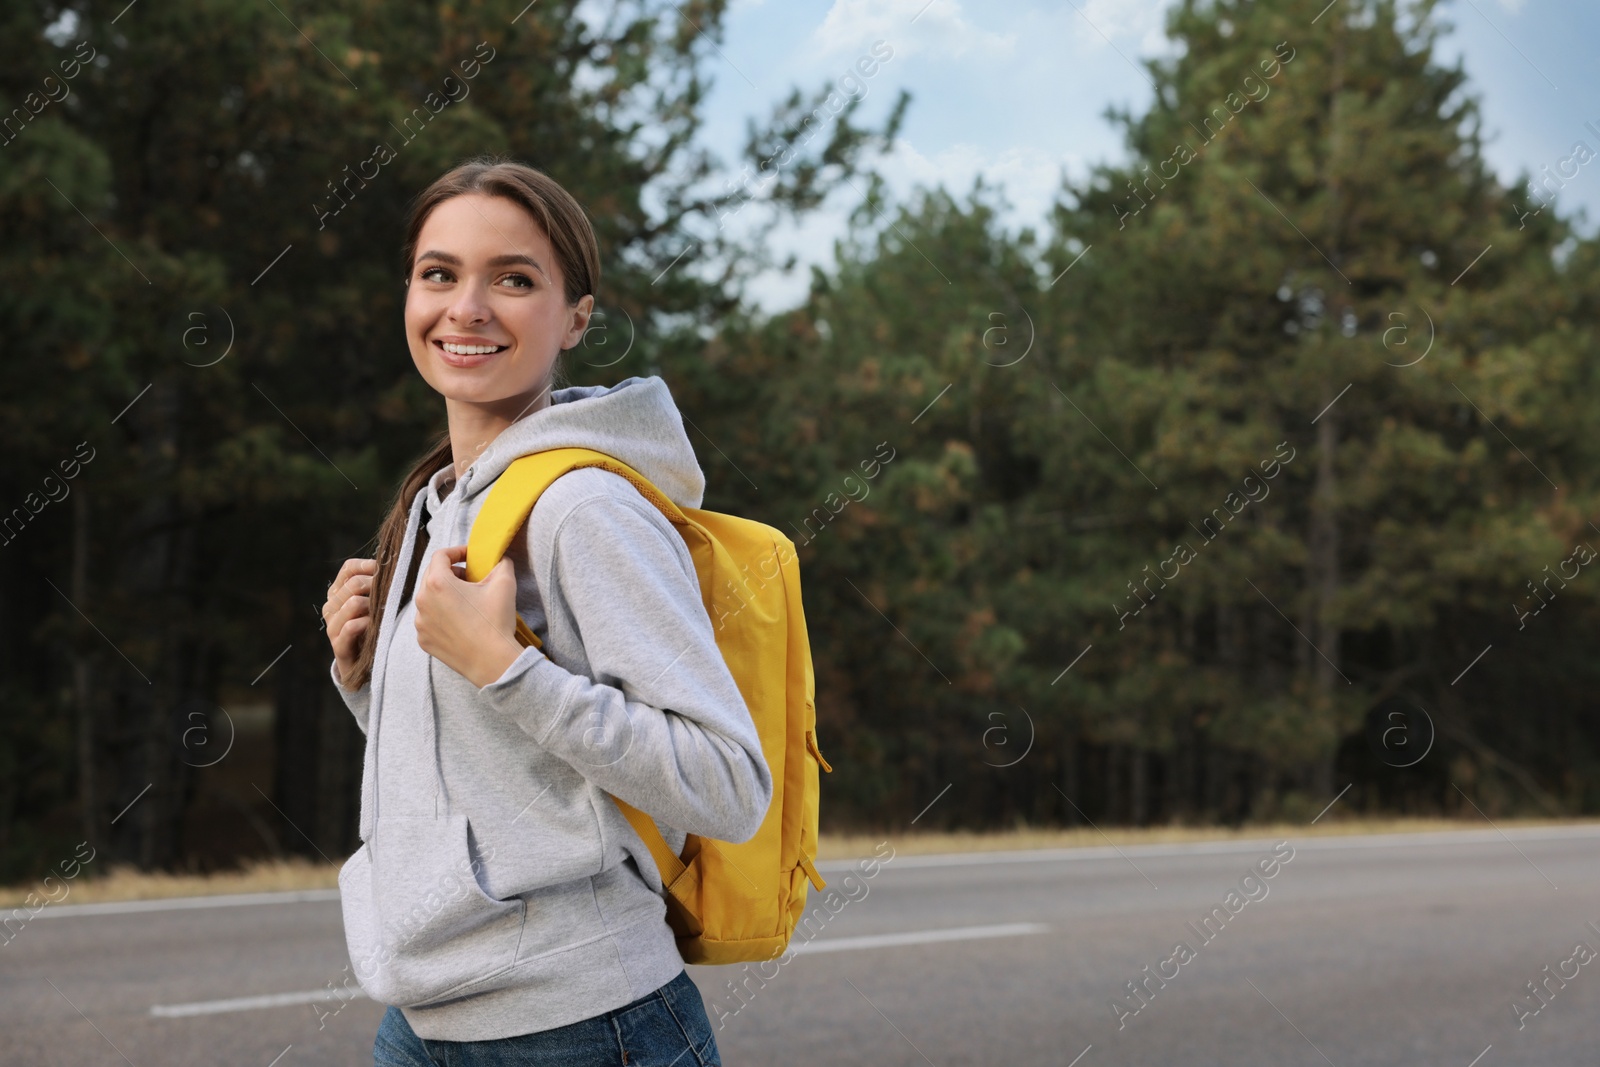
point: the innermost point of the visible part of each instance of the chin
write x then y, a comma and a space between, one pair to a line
466, 390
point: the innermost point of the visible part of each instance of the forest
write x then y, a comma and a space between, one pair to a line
1237, 484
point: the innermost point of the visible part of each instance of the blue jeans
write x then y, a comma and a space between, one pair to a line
667, 1028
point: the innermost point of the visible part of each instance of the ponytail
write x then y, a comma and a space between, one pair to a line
391, 538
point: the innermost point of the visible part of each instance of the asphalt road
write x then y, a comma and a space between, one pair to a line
1405, 949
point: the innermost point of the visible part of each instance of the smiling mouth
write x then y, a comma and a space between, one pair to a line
470, 350
466, 357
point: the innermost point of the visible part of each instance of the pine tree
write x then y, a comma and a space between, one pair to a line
1248, 483
1306, 209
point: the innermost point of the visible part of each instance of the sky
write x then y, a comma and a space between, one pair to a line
1016, 90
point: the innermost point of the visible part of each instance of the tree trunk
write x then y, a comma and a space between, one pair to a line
88, 807
1071, 779
1138, 786
298, 756
1323, 577
1116, 794
155, 571
1322, 556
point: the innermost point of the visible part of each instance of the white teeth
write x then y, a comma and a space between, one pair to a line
470, 350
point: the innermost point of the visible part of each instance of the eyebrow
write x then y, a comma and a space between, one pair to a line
494, 261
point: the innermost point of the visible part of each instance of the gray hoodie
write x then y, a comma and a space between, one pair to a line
498, 890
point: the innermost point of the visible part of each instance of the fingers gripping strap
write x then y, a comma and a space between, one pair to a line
518, 489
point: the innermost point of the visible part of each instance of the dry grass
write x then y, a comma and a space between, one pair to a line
128, 883
264, 876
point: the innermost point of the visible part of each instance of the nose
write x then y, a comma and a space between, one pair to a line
469, 308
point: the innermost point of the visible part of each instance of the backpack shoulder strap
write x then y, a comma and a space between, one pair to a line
519, 487
506, 508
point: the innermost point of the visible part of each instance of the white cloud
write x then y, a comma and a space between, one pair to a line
935, 27
1031, 177
1134, 26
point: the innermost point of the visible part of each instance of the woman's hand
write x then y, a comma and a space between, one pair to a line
348, 612
470, 627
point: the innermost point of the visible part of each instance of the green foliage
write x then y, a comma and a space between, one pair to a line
1194, 312
989, 445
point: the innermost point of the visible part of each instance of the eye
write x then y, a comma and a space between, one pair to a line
435, 274
516, 281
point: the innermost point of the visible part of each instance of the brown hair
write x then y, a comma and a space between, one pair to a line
578, 253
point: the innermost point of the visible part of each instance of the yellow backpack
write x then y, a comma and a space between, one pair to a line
727, 903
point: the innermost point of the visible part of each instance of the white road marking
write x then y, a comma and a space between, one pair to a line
916, 937
268, 1000
805, 948
232, 900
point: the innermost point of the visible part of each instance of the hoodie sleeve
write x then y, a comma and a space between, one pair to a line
358, 702
660, 722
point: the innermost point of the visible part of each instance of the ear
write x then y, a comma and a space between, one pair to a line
578, 320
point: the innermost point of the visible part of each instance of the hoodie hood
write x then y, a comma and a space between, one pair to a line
635, 421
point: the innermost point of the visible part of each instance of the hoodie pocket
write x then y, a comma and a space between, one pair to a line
417, 922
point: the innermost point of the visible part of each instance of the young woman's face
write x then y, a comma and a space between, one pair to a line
486, 315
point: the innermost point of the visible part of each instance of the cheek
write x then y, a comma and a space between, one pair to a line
541, 322
415, 317
423, 311
420, 318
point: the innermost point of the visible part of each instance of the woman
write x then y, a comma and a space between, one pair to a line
500, 903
